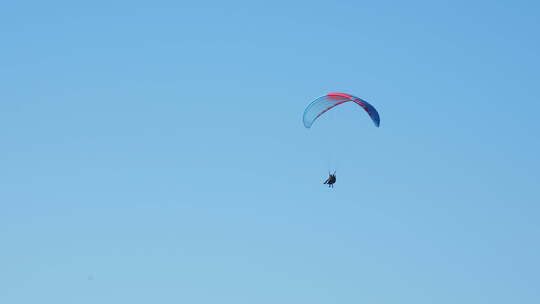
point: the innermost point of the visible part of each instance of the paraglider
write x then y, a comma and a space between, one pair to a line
331, 180
329, 101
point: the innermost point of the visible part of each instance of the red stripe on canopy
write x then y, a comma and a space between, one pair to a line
340, 95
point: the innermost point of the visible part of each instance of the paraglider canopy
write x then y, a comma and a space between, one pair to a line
329, 101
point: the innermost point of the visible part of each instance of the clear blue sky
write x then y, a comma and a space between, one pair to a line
153, 152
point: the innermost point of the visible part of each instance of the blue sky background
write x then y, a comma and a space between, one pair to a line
153, 152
